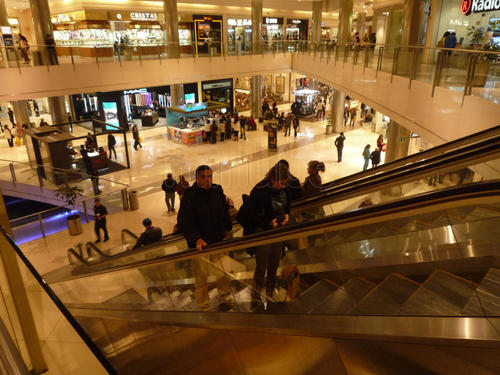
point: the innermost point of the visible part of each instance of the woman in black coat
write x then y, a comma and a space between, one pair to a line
267, 207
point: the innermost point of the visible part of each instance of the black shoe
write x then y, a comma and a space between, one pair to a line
99, 240
106, 239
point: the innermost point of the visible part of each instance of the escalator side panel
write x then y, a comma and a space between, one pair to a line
487, 300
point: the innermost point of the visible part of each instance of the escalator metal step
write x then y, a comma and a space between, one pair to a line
345, 298
312, 297
388, 297
486, 300
443, 293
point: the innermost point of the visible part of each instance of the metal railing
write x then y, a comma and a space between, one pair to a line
465, 70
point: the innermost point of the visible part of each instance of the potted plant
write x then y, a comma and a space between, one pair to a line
69, 193
477, 42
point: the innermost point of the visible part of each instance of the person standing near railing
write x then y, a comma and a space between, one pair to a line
24, 48
366, 155
9, 136
51, 49
100, 213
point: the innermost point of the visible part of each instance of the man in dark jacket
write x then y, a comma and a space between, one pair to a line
204, 219
169, 186
149, 236
339, 143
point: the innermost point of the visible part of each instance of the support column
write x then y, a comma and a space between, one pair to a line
57, 105
257, 28
20, 108
225, 38
432, 30
19, 296
345, 22
360, 24
411, 22
398, 142
177, 94
4, 19
338, 108
171, 28
257, 96
40, 12
316, 21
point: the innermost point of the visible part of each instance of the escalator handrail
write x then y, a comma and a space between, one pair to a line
64, 310
440, 150
72, 252
130, 233
375, 212
345, 192
421, 169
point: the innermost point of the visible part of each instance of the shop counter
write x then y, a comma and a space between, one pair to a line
185, 136
147, 50
85, 51
98, 160
150, 120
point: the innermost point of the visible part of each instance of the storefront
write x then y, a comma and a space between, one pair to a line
239, 32
85, 106
274, 88
459, 16
297, 29
186, 37
243, 93
208, 34
186, 123
143, 100
220, 91
272, 28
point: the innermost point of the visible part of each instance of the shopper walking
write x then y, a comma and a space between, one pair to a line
366, 155
94, 178
228, 130
137, 138
288, 124
100, 213
9, 136
296, 125
339, 143
243, 123
204, 219
24, 48
207, 137
375, 157
182, 186
10, 112
319, 110
353, 117
214, 129
222, 129
267, 207
380, 143
111, 145
169, 186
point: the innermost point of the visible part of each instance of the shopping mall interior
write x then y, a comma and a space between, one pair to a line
356, 144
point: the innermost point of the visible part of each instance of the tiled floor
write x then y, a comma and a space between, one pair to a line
238, 166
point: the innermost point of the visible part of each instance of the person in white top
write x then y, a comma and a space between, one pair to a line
207, 130
319, 109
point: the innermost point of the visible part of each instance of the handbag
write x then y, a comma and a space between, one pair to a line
18, 141
140, 139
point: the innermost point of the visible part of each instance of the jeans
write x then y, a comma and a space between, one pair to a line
170, 199
267, 258
101, 224
201, 268
365, 167
287, 130
111, 151
339, 154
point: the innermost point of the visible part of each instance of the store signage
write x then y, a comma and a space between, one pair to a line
135, 91
270, 21
239, 22
144, 16
296, 22
216, 85
479, 6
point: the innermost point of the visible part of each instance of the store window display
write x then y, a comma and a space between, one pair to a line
243, 93
272, 28
208, 34
297, 29
239, 34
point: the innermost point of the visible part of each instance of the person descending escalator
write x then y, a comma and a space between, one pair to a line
267, 207
149, 236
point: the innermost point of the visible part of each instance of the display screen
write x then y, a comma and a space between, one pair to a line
189, 98
111, 115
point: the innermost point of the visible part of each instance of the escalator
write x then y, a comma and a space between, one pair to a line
475, 158
409, 286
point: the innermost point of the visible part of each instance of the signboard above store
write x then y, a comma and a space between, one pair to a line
144, 16
479, 6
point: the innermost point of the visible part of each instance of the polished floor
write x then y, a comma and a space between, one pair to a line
238, 166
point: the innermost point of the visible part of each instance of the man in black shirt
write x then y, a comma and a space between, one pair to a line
149, 236
204, 219
169, 186
100, 213
339, 143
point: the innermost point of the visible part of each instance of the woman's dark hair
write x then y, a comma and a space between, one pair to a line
202, 168
317, 166
278, 172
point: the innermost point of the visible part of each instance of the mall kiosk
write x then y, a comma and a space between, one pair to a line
186, 122
305, 99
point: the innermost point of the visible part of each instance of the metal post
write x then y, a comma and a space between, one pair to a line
72, 58
85, 211
119, 57
96, 58
40, 220
125, 201
437, 72
17, 60
13, 174
395, 62
40, 178
413, 67
140, 54
380, 59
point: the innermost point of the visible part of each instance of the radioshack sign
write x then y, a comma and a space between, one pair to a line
479, 6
